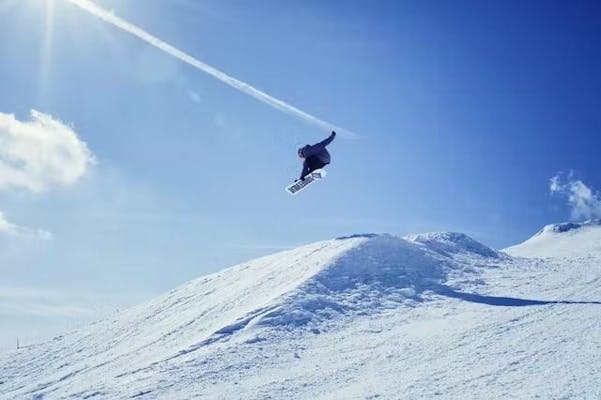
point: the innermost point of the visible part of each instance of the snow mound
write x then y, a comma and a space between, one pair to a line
314, 289
448, 243
379, 273
568, 239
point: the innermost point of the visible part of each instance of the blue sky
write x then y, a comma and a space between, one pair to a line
464, 110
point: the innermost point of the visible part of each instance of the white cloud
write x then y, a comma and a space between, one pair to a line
36, 155
10, 229
584, 202
40, 153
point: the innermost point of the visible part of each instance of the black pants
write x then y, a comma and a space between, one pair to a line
311, 164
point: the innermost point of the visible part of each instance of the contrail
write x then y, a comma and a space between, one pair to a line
244, 87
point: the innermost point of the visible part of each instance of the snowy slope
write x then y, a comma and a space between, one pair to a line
368, 316
568, 239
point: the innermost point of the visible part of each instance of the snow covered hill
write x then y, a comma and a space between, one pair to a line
563, 240
366, 316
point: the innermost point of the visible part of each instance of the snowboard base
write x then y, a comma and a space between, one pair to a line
299, 185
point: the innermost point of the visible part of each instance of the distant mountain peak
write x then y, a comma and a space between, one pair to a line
567, 239
568, 226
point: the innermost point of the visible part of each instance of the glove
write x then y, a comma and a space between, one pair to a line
333, 133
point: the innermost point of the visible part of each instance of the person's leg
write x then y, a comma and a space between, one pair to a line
311, 164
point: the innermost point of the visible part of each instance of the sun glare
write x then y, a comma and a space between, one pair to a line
46, 50
55, 16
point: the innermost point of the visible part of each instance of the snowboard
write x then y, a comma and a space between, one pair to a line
299, 185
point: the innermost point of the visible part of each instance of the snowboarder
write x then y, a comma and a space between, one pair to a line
316, 156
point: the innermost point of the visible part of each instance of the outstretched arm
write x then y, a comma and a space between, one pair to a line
309, 151
328, 140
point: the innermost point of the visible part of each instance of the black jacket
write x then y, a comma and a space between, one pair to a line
318, 150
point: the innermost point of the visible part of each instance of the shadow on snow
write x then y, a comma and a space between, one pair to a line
500, 301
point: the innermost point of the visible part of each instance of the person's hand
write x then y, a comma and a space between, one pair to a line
333, 133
